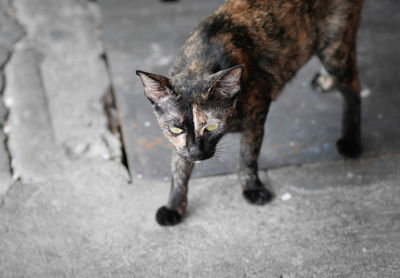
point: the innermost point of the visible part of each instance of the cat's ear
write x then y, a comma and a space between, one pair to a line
227, 83
156, 87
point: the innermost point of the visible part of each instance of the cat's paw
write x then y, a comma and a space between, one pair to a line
168, 217
323, 83
349, 148
258, 196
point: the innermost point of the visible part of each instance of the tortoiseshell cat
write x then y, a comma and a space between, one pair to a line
231, 68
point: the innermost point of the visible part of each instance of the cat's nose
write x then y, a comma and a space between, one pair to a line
194, 152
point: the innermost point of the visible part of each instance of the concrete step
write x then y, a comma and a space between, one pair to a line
56, 79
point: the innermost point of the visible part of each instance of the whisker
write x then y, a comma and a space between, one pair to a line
221, 162
225, 157
223, 150
228, 144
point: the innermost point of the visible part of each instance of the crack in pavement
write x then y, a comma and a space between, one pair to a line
7, 48
110, 102
57, 79
9, 52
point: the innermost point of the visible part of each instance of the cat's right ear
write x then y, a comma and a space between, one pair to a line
227, 83
156, 87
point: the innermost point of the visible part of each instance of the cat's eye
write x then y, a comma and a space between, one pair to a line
212, 127
175, 130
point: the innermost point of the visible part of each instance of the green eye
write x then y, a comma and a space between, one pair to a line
212, 127
175, 130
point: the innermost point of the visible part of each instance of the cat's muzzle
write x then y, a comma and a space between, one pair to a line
195, 154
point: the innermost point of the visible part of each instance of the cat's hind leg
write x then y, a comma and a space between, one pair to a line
252, 188
339, 59
337, 52
172, 213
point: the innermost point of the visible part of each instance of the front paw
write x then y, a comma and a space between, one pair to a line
259, 196
349, 148
168, 217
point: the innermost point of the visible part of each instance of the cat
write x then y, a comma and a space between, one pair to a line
230, 69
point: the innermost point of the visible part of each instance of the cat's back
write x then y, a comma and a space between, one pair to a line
257, 9
278, 36
272, 37
248, 27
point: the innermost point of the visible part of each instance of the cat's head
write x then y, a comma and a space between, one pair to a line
193, 113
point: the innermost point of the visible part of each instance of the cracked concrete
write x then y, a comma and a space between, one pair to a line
70, 38
5, 175
56, 79
10, 33
36, 159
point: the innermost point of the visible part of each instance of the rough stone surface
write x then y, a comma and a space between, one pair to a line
74, 76
342, 221
10, 30
35, 159
4, 53
56, 79
5, 175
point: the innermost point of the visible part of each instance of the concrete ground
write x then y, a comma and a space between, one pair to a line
67, 208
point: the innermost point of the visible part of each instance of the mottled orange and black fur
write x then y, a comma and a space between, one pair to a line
231, 68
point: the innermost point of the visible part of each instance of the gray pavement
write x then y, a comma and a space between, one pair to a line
67, 208
342, 221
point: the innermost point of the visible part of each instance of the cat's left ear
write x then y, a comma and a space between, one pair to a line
227, 82
156, 87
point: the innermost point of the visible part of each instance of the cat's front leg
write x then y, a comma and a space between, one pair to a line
252, 188
172, 213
